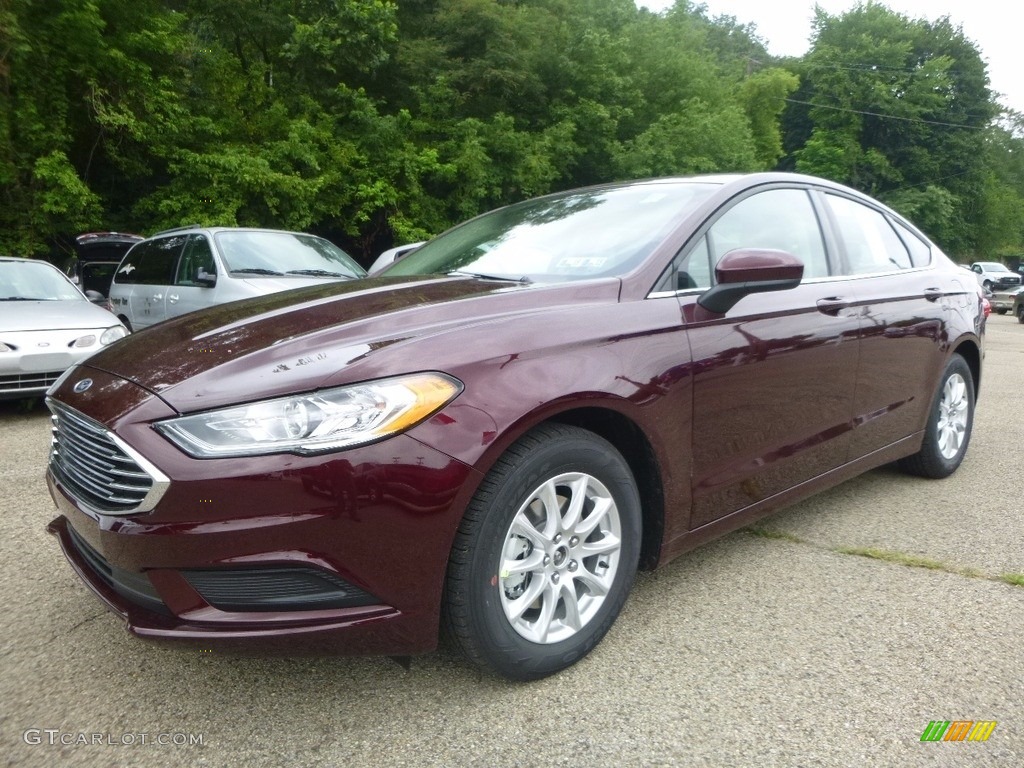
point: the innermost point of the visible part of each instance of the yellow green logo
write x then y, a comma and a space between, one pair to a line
959, 730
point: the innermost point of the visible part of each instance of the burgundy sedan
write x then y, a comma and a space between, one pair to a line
494, 435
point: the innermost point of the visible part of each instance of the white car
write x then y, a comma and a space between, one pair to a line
46, 326
391, 255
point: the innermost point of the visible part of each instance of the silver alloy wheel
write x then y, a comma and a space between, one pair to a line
560, 557
953, 412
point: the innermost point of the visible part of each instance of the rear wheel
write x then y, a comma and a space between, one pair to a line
949, 425
546, 554
1020, 313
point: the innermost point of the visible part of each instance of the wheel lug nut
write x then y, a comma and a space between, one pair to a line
574, 541
547, 559
558, 538
554, 578
573, 565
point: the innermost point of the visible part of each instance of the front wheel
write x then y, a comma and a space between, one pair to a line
949, 424
546, 554
1020, 314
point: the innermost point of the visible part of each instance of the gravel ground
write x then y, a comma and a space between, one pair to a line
777, 647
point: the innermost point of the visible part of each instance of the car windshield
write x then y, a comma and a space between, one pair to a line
35, 281
284, 253
992, 266
591, 233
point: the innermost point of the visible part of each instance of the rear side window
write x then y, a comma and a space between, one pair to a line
151, 262
872, 245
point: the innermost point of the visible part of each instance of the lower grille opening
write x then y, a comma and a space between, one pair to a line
132, 586
276, 589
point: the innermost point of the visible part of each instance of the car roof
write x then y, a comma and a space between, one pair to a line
216, 230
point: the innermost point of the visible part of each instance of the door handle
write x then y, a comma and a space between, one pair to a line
832, 305
933, 294
172, 297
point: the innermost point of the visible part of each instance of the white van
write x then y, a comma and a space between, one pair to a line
182, 270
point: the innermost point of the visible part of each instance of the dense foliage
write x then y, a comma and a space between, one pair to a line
374, 121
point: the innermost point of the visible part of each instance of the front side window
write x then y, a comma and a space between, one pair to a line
197, 256
872, 245
779, 219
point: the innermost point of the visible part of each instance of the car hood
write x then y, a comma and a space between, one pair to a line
325, 335
52, 315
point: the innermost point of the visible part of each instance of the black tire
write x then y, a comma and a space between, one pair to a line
1002, 311
988, 284
945, 443
561, 463
1020, 314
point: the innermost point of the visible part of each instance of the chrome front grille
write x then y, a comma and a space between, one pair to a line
98, 469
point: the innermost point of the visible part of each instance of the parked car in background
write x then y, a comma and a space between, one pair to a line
994, 275
97, 255
391, 255
1011, 301
46, 326
497, 432
182, 270
1003, 301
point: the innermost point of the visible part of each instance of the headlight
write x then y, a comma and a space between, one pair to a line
84, 341
315, 422
113, 334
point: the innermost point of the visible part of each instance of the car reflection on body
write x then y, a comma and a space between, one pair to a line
46, 326
491, 437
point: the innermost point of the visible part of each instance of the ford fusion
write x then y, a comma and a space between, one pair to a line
490, 438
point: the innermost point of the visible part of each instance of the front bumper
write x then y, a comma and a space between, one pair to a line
344, 552
40, 357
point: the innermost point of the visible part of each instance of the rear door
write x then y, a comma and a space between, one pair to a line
903, 308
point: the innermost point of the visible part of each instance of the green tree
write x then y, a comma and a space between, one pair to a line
900, 109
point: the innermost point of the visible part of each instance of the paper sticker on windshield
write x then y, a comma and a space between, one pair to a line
581, 262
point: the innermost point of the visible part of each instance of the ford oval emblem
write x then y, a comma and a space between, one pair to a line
83, 385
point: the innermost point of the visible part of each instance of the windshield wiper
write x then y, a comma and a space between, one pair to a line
482, 276
255, 271
316, 273
23, 298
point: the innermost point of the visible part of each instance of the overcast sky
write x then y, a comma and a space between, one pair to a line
785, 25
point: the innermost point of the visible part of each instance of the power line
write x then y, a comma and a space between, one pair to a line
888, 117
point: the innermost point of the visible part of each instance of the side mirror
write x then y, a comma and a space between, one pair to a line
95, 297
206, 279
745, 271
